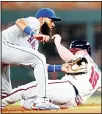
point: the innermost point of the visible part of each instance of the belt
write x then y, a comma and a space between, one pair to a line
76, 91
78, 98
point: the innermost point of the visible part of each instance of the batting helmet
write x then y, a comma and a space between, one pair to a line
47, 12
81, 44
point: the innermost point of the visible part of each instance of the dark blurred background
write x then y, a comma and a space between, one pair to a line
80, 20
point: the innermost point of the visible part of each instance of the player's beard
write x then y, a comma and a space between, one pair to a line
45, 29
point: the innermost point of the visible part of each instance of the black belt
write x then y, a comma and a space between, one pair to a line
77, 73
78, 98
76, 91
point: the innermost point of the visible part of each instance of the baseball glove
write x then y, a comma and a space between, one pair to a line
78, 66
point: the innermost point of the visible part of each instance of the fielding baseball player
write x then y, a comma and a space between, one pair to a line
81, 81
20, 47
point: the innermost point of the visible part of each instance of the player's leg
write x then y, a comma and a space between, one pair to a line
12, 98
6, 81
6, 87
30, 94
26, 56
26, 91
62, 93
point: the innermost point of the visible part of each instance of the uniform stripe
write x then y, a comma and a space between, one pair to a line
4, 93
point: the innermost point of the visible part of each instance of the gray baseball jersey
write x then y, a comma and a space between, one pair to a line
21, 49
15, 36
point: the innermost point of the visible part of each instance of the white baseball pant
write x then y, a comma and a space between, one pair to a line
60, 93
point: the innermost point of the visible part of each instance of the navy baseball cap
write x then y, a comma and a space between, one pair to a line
47, 12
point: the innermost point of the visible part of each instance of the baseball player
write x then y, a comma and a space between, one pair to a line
20, 47
81, 81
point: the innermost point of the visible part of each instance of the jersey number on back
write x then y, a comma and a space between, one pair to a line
94, 77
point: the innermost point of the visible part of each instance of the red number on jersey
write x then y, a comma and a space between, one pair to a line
94, 77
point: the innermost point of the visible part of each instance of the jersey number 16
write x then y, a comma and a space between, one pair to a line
94, 77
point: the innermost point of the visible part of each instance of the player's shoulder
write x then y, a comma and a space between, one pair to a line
33, 21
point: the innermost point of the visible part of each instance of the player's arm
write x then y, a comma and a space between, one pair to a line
64, 53
24, 27
21, 23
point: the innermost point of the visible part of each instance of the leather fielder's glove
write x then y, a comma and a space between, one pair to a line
78, 66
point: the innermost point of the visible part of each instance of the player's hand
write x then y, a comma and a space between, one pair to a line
57, 38
65, 67
41, 37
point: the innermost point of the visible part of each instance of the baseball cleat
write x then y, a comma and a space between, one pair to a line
45, 106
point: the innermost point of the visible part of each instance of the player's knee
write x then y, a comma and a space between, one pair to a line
40, 59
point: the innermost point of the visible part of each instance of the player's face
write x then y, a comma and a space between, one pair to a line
78, 51
47, 26
50, 23
84, 51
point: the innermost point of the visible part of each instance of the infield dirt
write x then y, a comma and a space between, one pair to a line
80, 109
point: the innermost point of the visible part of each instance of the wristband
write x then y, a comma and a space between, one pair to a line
28, 31
54, 68
58, 67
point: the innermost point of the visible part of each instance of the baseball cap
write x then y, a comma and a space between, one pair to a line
47, 12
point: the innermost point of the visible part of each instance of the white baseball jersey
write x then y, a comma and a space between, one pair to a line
88, 83
15, 36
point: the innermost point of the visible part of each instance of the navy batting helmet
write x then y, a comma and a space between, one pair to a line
81, 44
47, 12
